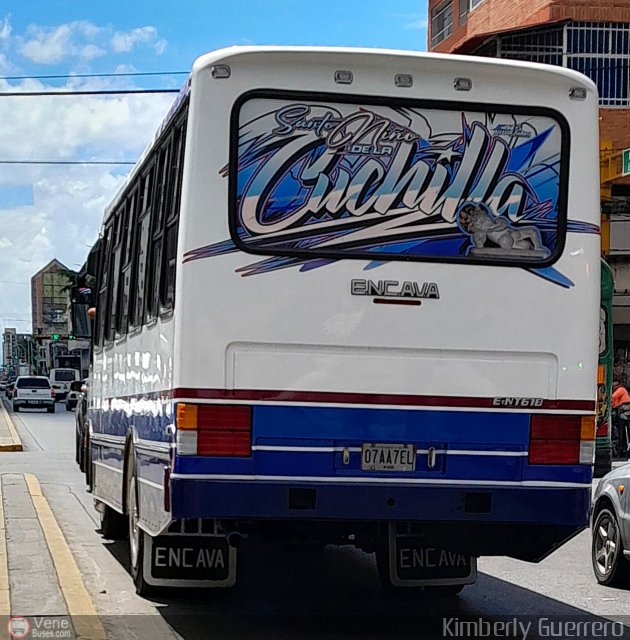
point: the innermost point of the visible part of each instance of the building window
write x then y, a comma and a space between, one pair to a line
463, 11
474, 3
441, 22
600, 51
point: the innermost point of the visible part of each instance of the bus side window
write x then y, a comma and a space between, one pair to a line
126, 263
157, 228
141, 247
103, 279
167, 281
120, 216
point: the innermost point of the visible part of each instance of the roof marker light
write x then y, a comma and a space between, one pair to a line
577, 93
462, 84
343, 77
403, 80
221, 71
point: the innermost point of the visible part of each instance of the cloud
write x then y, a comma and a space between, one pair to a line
125, 41
5, 65
160, 47
412, 20
46, 46
5, 30
416, 24
81, 40
50, 45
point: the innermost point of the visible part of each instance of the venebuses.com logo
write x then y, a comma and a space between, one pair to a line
39, 627
18, 627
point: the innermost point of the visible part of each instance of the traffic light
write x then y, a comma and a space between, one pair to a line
55, 337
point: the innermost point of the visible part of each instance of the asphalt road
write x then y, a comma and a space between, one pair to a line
287, 594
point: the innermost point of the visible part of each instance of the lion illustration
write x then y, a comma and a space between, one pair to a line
477, 221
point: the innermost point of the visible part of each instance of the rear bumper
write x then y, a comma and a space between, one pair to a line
526, 523
26, 403
194, 498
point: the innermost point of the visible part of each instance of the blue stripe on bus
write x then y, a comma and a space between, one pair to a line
337, 427
397, 424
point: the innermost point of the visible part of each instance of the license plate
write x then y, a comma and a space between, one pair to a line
190, 558
388, 457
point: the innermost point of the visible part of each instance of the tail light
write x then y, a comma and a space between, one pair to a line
14, 392
52, 393
214, 430
562, 440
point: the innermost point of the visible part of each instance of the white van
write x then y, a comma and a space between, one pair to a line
60, 380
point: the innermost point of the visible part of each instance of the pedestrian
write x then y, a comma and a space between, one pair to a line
619, 395
621, 416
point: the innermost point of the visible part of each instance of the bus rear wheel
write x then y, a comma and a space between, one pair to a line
136, 535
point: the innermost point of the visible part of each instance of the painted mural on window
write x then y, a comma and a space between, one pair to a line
315, 182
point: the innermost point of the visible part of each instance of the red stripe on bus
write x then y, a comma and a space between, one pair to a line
278, 395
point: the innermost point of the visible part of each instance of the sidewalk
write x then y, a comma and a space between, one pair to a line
9, 439
40, 583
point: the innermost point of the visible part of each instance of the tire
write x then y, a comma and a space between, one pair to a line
113, 524
68, 407
77, 451
51, 409
136, 535
16, 409
87, 462
609, 565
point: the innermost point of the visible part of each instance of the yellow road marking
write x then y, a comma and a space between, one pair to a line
5, 599
15, 444
85, 620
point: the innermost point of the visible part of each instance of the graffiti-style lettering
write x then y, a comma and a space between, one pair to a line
345, 178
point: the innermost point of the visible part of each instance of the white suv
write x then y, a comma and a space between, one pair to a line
33, 391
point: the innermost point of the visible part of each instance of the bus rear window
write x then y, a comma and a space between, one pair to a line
315, 177
65, 376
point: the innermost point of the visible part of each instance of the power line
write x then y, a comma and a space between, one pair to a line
64, 162
13, 94
97, 75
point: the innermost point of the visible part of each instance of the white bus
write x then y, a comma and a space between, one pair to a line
351, 296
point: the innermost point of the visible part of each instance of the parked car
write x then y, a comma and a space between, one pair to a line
33, 391
81, 429
72, 399
610, 524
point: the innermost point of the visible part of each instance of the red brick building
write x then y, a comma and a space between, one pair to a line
590, 36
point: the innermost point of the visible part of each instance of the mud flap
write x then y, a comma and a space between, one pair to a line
412, 562
175, 560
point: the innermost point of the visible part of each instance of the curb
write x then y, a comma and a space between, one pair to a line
15, 443
85, 619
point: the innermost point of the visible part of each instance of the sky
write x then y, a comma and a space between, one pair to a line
55, 211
